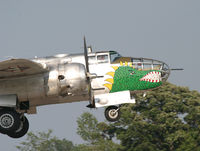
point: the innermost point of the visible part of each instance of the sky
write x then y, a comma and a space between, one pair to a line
163, 30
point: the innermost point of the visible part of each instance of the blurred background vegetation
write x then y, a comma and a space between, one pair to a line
167, 119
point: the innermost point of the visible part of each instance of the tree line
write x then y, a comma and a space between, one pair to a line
166, 119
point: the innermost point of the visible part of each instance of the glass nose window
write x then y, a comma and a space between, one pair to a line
102, 58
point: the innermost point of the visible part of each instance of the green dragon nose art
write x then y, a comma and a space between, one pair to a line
126, 77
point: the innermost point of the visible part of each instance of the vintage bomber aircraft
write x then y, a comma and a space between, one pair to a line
104, 78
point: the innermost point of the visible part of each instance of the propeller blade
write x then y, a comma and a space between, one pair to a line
86, 55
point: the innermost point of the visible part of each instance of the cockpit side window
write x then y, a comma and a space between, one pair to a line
102, 59
92, 59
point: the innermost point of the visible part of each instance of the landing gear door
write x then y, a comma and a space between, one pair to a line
8, 100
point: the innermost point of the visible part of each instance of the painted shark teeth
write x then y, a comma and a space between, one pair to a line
153, 76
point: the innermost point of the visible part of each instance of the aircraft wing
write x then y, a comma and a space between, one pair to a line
19, 67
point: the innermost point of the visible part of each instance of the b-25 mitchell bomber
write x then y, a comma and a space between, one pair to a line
105, 78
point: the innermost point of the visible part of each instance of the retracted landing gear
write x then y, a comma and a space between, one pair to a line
112, 113
12, 123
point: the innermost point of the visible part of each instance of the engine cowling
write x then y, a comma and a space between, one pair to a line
72, 79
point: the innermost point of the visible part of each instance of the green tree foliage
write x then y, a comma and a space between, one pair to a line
95, 134
43, 141
167, 119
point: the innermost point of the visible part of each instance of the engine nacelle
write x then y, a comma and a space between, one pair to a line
72, 79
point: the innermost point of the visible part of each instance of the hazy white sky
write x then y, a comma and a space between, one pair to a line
164, 30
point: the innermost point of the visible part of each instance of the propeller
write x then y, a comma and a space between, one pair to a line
91, 98
86, 56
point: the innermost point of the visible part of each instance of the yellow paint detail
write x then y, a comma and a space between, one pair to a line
115, 67
111, 74
130, 64
121, 63
126, 63
109, 86
110, 80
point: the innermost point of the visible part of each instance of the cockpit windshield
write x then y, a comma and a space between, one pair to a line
114, 56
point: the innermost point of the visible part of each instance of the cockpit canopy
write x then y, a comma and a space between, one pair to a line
114, 56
